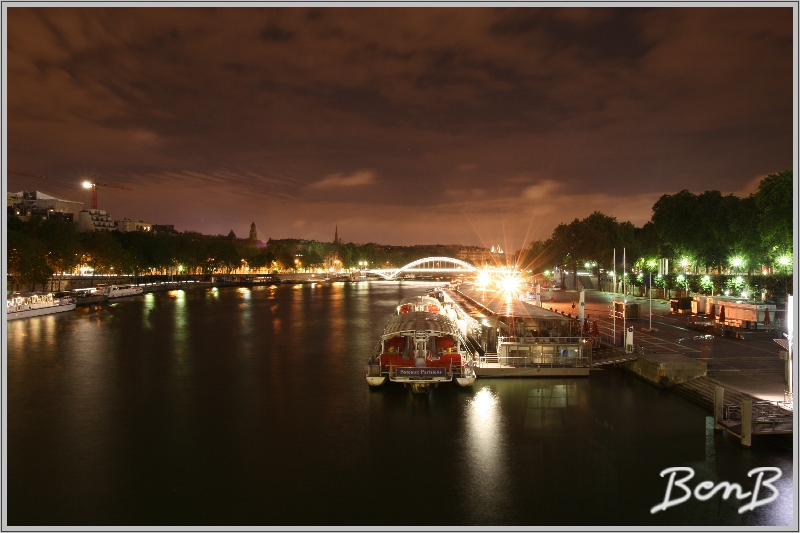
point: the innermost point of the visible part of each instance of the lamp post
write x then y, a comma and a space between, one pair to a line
783, 262
736, 262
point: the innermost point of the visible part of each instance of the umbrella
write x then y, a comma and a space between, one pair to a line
595, 330
713, 311
722, 313
766, 318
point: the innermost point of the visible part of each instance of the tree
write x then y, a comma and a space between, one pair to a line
711, 238
63, 245
674, 221
650, 244
774, 202
536, 257
27, 260
747, 243
103, 253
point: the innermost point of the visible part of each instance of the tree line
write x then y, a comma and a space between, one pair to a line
40, 250
706, 232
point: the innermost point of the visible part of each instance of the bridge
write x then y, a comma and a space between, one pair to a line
427, 265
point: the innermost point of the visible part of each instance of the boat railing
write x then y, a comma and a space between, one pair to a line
549, 339
532, 361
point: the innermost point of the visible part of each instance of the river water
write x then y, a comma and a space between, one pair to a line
248, 407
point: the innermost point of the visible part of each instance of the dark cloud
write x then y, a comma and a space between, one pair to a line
401, 125
275, 34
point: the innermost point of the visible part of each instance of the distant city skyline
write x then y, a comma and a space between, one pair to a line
466, 126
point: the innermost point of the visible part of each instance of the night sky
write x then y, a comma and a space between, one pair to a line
465, 125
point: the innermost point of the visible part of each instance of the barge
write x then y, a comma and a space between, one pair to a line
421, 348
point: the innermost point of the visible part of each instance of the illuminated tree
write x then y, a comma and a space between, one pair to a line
774, 202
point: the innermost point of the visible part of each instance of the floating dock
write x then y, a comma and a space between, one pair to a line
666, 369
513, 338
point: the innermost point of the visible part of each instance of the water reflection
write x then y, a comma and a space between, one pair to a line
236, 398
486, 460
546, 404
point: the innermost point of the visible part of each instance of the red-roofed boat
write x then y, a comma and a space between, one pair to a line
422, 349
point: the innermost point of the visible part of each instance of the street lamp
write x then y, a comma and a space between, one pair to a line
784, 261
736, 262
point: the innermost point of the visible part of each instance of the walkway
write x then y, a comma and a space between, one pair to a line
751, 366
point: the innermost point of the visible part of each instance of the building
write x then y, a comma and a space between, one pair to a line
254, 237
163, 228
483, 258
333, 261
95, 220
133, 225
36, 203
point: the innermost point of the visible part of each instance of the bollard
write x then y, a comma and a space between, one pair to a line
719, 395
747, 423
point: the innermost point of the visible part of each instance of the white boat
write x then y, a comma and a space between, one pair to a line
28, 305
120, 291
419, 303
420, 349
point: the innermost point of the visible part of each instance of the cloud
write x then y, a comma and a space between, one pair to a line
361, 177
510, 115
541, 190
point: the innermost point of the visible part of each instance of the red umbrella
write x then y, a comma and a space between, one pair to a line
595, 330
766, 318
722, 313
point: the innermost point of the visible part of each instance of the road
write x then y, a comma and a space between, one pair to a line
752, 366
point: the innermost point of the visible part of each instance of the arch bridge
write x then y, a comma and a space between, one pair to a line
428, 265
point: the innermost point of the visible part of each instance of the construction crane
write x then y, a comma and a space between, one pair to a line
94, 184
26, 174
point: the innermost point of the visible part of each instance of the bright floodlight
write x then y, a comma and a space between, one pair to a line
736, 261
784, 260
483, 278
509, 284
684, 262
87, 185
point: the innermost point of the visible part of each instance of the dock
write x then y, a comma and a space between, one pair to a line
513, 338
738, 413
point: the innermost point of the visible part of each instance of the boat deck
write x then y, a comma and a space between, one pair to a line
530, 341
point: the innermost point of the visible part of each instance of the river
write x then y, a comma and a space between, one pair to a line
248, 407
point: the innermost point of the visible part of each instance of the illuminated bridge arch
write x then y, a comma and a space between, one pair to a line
427, 265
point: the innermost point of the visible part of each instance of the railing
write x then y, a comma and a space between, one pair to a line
550, 340
537, 361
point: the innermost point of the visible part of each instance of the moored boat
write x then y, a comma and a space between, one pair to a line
36, 304
119, 291
420, 349
419, 303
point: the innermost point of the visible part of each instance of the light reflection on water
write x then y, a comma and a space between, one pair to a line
486, 456
218, 407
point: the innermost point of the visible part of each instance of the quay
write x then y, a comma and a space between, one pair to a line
513, 338
79, 286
